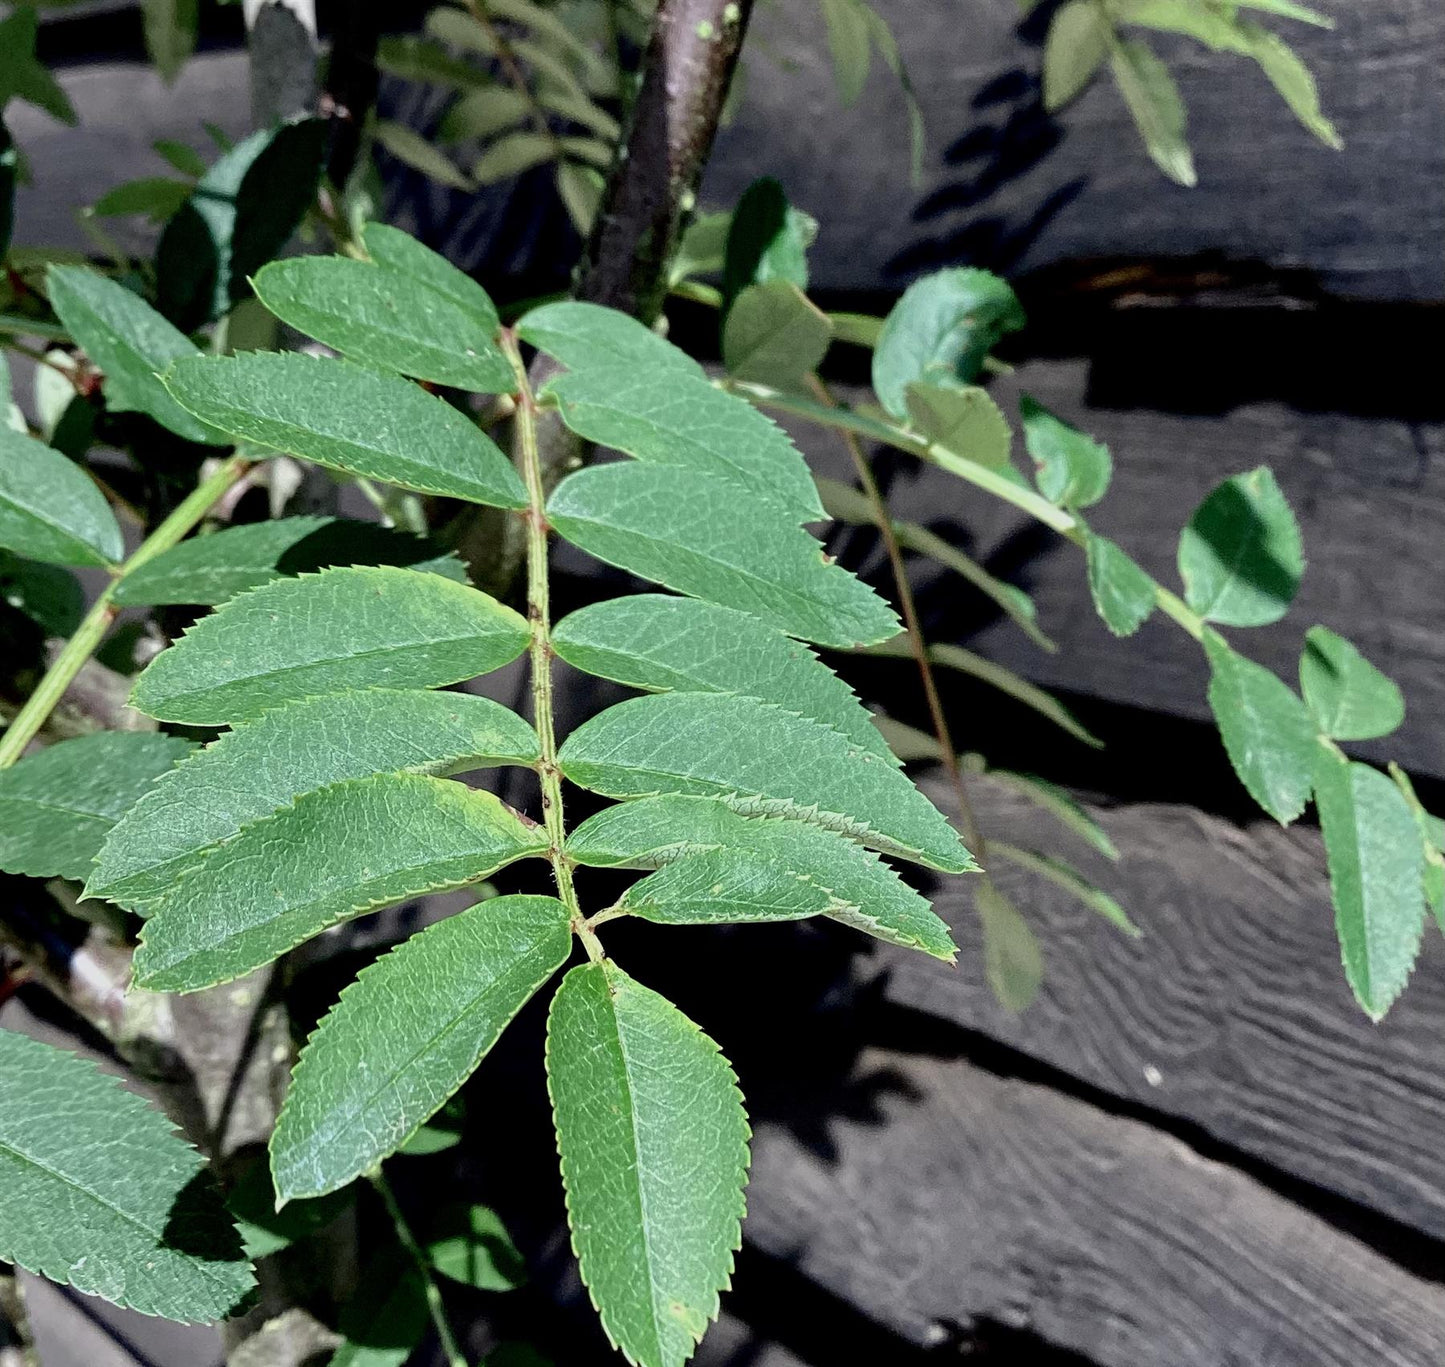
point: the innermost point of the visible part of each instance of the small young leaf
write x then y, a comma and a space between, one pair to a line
350, 418
406, 1034
1012, 958
663, 644
470, 1244
411, 149
263, 765
1070, 467
654, 1147
1124, 594
1071, 880
1077, 47
1156, 107
337, 852
967, 421
384, 1322
327, 633
758, 759
57, 806
586, 336
21, 75
47, 594
768, 239
401, 254
1241, 557
1266, 730
50, 509
940, 332
775, 335
1345, 693
695, 534
676, 420
209, 570
1376, 870
385, 319
103, 1195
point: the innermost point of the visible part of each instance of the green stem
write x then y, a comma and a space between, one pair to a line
540, 650
450, 1347
82, 645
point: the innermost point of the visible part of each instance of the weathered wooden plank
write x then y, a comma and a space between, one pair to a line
980, 1198
1231, 1012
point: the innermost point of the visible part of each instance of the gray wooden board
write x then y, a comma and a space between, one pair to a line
1230, 1013
982, 1199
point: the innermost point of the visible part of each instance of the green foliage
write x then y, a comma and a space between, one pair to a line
50, 509
768, 239
386, 1319
470, 1244
100, 1192
22, 77
1012, 957
584, 337
170, 33
1347, 696
1071, 468
964, 420
775, 334
48, 595
1124, 595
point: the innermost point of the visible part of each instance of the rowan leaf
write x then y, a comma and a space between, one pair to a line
1070, 467
350, 418
1064, 875
1241, 557
775, 335
387, 1317
849, 46
688, 424
586, 336
695, 534
265, 1230
209, 570
511, 154
50, 509
1345, 693
965, 420
266, 764
1376, 865
411, 149
654, 1147
102, 1194
1432, 842
1060, 804
1076, 48
768, 239
1266, 729
662, 644
406, 1034
155, 197
363, 627
384, 318
22, 76
170, 28
56, 806
47, 594
470, 1244
759, 760
1156, 107
1124, 594
401, 254
333, 854
1013, 962
482, 114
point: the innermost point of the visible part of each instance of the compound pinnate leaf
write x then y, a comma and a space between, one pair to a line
384, 318
406, 1034
348, 417
696, 534
663, 644
1345, 693
1376, 868
263, 765
760, 760
208, 570
97, 1190
1071, 468
1241, 557
337, 852
130, 342
1013, 962
325, 633
50, 509
654, 1147
586, 336
775, 335
685, 422
940, 331
1124, 595
402, 254
57, 806
1266, 729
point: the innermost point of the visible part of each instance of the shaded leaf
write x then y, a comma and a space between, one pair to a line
182, 157
1077, 47
264, 1230
410, 148
482, 114
775, 335
170, 28
768, 239
1070, 467
849, 46
156, 197
47, 594
442, 1132
1345, 693
1060, 804
387, 1317
1013, 962
511, 154
50, 509
21, 76
583, 336
1124, 594
411, 58
470, 1244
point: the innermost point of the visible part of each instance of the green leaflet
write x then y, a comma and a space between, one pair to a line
849, 46
482, 114
56, 806
265, 1230
665, 644
21, 75
586, 336
1431, 830
50, 510
406, 1034
684, 422
1124, 594
264, 765
384, 1322
717, 866
48, 595
1071, 468
348, 417
384, 318
1065, 876
768, 239
156, 197
1376, 869
1266, 730
409, 147
1012, 959
940, 331
759, 760
402, 254
1077, 46
696, 534
335, 853
326, 633
511, 154
775, 335
1240, 557
99, 1192
965, 420
1061, 804
130, 342
470, 1244
170, 33
208, 570
1156, 107
1345, 693
654, 1147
